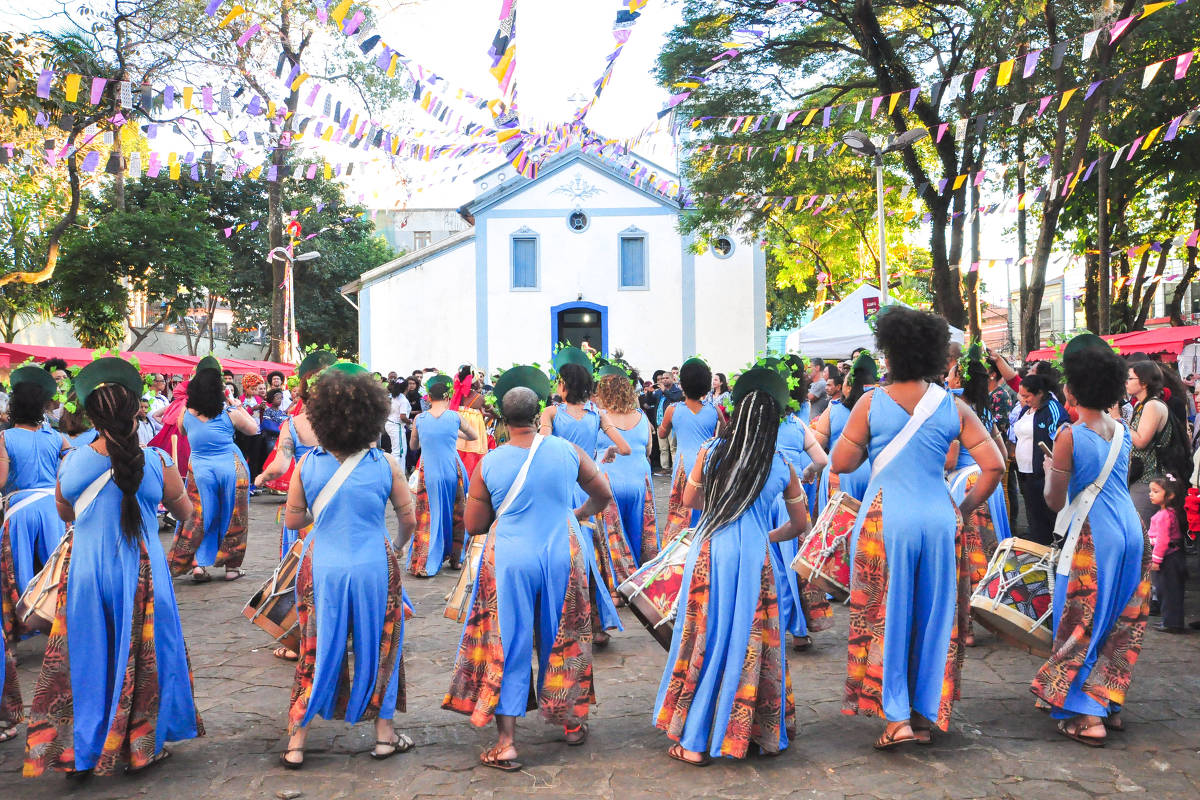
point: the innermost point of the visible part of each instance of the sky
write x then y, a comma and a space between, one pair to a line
561, 49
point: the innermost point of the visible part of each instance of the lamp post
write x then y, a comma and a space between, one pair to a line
862, 145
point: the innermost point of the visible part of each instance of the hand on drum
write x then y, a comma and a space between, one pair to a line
810, 474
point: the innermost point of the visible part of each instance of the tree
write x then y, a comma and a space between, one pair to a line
162, 247
24, 202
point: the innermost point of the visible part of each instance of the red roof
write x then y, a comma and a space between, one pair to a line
148, 362
1165, 342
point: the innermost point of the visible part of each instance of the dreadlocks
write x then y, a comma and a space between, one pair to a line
741, 460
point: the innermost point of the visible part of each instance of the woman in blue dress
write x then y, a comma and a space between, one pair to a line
908, 590
579, 422
531, 592
725, 687
348, 587
628, 476
864, 374
115, 683
1102, 590
218, 480
29, 456
988, 523
798, 444
11, 709
440, 483
693, 422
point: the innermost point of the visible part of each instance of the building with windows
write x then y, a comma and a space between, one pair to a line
580, 252
411, 229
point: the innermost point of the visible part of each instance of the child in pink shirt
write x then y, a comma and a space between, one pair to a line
1168, 565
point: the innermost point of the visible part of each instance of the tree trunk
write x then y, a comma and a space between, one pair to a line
1022, 243
1139, 324
1104, 261
976, 329
1175, 309
1091, 293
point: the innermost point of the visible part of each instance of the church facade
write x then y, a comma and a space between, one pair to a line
580, 252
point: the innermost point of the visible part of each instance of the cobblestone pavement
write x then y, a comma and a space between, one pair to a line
998, 745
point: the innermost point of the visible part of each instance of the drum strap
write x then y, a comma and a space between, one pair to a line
28, 496
85, 500
929, 403
1070, 520
960, 477
339, 477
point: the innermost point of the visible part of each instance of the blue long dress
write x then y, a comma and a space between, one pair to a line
852, 483
218, 479
91, 702
629, 477
84, 439
691, 431
996, 505
11, 708
531, 598
33, 530
584, 433
288, 536
1091, 663
348, 590
905, 590
730, 627
790, 444
442, 470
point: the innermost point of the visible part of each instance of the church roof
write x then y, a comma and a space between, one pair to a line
409, 260
558, 163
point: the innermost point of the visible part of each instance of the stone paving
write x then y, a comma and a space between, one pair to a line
998, 746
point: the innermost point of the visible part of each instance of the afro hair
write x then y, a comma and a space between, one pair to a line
916, 343
1095, 377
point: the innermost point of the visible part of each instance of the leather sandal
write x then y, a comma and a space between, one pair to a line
889, 741
490, 758
676, 752
401, 744
1073, 728
582, 740
293, 765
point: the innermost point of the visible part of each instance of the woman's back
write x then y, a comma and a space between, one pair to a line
838, 415
790, 441
638, 438
438, 434
760, 512
923, 459
692, 430
583, 432
33, 457
209, 439
548, 493
1089, 452
98, 527
355, 512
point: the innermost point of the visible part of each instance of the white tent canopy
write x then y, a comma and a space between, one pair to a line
843, 329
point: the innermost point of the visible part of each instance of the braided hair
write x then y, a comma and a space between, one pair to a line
740, 461
974, 381
863, 372
113, 410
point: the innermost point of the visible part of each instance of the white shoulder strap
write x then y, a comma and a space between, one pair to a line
924, 410
339, 477
515, 489
1069, 522
91, 493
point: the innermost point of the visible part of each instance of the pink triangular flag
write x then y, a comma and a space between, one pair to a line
1119, 27
1182, 63
1045, 101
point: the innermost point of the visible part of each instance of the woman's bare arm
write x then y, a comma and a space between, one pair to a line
851, 448
796, 502
296, 509
1058, 476
402, 502
975, 438
1149, 424
595, 483
693, 488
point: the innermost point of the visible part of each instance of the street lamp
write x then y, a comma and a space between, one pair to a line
862, 145
290, 339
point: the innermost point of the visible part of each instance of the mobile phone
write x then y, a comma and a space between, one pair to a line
1049, 453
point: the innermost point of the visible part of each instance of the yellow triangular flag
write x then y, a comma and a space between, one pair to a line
328, 171
1154, 7
809, 116
958, 182
174, 171
234, 13
339, 13
1150, 137
187, 97
71, 87
1066, 98
892, 101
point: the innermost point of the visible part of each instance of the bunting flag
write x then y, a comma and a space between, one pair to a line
628, 12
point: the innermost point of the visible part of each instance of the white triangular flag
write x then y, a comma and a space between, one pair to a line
1150, 72
960, 131
1117, 155
1089, 42
1018, 110
858, 109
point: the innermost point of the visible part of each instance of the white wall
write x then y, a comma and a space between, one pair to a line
421, 317
725, 323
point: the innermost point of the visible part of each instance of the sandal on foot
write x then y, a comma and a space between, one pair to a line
888, 741
676, 752
201, 577
283, 759
801, 643
8, 733
401, 744
582, 740
490, 758
1113, 723
285, 654
234, 574
601, 640
923, 740
1065, 728
158, 758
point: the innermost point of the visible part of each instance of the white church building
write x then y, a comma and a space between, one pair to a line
580, 251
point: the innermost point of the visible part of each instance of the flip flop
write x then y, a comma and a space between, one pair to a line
282, 654
8, 733
676, 752
889, 741
582, 740
201, 577
488, 759
923, 742
162, 756
401, 744
1090, 741
236, 573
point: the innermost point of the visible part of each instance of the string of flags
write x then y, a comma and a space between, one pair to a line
628, 12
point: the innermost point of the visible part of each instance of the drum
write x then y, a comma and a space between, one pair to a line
273, 607
459, 600
35, 609
653, 590
824, 557
1015, 598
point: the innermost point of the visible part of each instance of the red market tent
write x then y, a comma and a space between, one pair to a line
14, 354
1167, 343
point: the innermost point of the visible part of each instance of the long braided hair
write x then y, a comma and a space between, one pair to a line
113, 410
741, 460
864, 372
